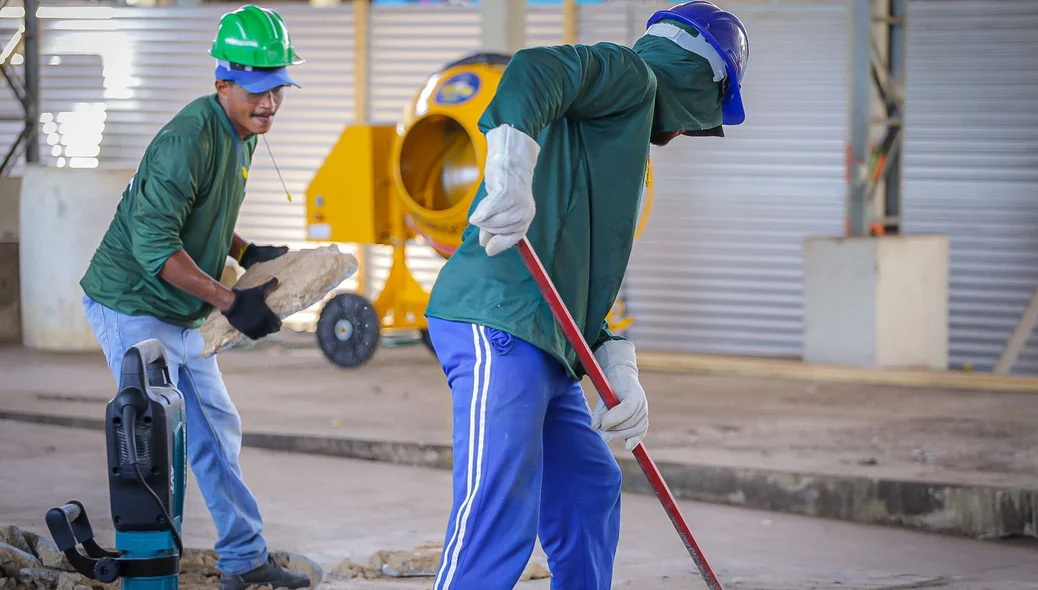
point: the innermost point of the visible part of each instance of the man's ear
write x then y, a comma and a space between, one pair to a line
222, 86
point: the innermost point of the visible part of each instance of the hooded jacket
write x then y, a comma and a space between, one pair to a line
592, 110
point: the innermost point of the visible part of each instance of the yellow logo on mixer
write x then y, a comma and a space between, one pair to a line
458, 89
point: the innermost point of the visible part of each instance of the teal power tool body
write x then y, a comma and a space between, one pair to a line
146, 479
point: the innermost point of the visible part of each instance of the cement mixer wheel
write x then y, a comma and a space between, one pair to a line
349, 330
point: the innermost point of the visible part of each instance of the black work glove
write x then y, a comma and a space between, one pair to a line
249, 313
253, 254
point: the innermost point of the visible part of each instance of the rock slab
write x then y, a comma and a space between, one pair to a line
304, 278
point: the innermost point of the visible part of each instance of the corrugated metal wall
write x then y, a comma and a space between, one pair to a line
971, 162
110, 78
719, 270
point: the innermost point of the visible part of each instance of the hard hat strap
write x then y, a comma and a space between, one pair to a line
697, 45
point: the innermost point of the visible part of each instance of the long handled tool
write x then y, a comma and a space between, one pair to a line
605, 391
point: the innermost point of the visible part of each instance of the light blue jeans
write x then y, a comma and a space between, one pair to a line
213, 428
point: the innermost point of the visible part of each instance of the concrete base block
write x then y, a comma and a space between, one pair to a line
876, 302
64, 214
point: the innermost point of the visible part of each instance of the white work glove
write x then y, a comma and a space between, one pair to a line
629, 419
505, 213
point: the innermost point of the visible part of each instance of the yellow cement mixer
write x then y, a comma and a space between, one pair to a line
410, 181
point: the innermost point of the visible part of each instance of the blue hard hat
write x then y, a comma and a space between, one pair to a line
727, 35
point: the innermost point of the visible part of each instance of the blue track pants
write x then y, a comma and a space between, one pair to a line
526, 463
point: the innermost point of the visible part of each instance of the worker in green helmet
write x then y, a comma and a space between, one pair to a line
155, 273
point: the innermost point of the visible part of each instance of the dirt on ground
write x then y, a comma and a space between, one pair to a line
31, 562
330, 510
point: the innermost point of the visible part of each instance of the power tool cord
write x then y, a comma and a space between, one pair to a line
130, 426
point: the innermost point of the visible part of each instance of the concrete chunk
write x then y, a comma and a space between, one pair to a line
304, 278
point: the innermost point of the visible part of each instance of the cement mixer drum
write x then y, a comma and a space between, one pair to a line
438, 156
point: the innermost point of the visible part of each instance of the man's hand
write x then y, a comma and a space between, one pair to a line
505, 214
628, 419
253, 254
249, 313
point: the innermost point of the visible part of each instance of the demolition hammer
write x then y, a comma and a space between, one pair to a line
144, 433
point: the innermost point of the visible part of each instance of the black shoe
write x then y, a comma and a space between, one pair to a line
268, 574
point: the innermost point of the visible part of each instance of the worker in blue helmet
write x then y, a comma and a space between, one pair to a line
568, 134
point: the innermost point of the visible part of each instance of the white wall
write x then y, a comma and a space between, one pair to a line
64, 214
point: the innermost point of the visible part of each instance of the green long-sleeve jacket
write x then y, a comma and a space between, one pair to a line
186, 193
592, 110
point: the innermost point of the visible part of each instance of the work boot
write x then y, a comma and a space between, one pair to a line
268, 574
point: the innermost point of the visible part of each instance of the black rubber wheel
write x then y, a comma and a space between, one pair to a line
427, 341
349, 330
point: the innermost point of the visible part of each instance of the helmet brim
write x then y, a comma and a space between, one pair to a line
732, 111
257, 80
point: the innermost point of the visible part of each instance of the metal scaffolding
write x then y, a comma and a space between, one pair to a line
24, 86
877, 92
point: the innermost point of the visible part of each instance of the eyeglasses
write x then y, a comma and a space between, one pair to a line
254, 97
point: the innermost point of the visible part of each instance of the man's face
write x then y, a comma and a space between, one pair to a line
662, 138
250, 113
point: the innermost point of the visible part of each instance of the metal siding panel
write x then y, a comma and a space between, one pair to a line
609, 22
719, 267
410, 43
140, 66
543, 25
970, 171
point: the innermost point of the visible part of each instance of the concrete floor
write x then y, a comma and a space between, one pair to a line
329, 509
906, 434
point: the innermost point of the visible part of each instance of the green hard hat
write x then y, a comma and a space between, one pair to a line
254, 36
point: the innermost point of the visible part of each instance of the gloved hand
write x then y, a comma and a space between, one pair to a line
253, 254
628, 419
249, 313
504, 215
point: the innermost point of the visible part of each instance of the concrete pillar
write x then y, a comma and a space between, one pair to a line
504, 25
877, 302
64, 213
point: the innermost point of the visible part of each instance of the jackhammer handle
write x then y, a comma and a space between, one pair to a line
151, 350
72, 511
138, 358
64, 524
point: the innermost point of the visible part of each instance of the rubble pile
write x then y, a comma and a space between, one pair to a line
31, 562
419, 561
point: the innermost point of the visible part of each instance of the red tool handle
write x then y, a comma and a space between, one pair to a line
605, 391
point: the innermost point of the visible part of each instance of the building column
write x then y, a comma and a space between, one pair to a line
874, 297
504, 25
